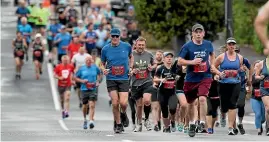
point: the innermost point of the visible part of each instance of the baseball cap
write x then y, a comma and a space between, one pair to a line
115, 31
80, 21
131, 7
38, 35
168, 53
197, 26
62, 27
230, 40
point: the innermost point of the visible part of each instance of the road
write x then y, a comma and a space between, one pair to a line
30, 108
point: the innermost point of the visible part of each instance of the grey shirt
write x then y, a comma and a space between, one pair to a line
141, 62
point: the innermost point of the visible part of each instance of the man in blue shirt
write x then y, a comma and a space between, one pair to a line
195, 55
117, 58
53, 30
22, 11
89, 38
26, 31
89, 76
62, 40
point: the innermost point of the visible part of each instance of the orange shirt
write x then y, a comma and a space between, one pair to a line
73, 49
64, 71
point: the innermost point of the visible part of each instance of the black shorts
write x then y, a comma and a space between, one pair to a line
154, 94
60, 57
138, 91
82, 2
242, 98
118, 85
32, 24
61, 90
16, 56
89, 95
39, 59
228, 94
50, 44
212, 106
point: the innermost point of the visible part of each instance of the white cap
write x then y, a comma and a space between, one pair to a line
38, 35
80, 21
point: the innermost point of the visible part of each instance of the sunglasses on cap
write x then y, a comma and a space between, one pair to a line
115, 36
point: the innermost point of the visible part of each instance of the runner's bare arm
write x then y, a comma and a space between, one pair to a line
212, 61
24, 43
184, 62
217, 63
82, 37
131, 60
261, 23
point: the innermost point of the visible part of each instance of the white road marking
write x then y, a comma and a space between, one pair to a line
127, 141
53, 88
63, 125
110, 135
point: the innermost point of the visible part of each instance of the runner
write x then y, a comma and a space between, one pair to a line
89, 38
19, 45
79, 29
165, 76
155, 105
256, 102
117, 57
62, 40
38, 54
262, 74
195, 55
64, 73
89, 77
42, 17
53, 30
141, 82
98, 63
73, 47
213, 103
181, 72
78, 60
22, 11
26, 31
32, 17
230, 82
71, 11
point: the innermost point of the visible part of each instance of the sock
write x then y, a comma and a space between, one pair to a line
192, 122
147, 111
202, 122
159, 124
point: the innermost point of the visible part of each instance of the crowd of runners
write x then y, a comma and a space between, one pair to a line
182, 92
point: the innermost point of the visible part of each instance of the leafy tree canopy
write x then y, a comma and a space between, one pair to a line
165, 19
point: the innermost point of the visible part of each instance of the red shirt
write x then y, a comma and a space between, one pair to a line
73, 49
64, 71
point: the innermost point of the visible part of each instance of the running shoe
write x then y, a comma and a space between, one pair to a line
223, 122
186, 130
173, 126
217, 124
134, 128
202, 128
209, 130
147, 124
118, 129
241, 129
91, 125
66, 114
180, 127
138, 128
156, 128
167, 130
235, 131
85, 125
231, 131
124, 119
192, 130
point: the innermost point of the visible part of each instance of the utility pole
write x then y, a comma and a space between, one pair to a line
229, 18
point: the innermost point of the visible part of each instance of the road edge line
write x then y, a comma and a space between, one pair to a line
53, 88
63, 125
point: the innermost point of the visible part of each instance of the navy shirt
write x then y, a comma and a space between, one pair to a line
117, 59
190, 51
22, 11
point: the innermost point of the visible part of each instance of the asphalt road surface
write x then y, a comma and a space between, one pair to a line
30, 108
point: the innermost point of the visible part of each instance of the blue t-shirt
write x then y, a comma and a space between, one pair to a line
65, 41
54, 28
92, 36
190, 51
23, 11
26, 29
88, 73
116, 58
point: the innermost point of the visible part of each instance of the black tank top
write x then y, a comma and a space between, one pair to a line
37, 46
18, 44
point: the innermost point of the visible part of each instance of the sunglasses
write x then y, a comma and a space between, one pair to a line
115, 36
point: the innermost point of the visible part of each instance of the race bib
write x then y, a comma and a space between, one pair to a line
266, 83
37, 53
90, 85
118, 70
169, 84
257, 93
141, 74
230, 73
90, 40
200, 68
65, 73
19, 53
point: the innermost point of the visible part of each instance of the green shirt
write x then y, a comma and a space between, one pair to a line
43, 14
33, 10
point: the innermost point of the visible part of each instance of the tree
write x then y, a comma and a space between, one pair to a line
165, 19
